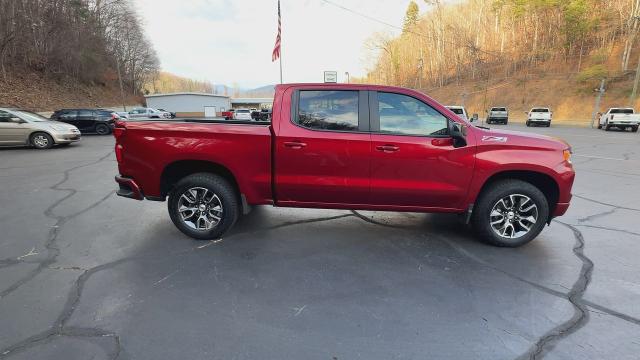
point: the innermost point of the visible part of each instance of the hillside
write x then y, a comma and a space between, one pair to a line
515, 53
551, 84
38, 92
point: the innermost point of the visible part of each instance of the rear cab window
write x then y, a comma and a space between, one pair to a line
540, 110
621, 111
332, 110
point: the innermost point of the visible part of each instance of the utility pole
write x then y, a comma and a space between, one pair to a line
597, 107
124, 106
632, 99
348, 77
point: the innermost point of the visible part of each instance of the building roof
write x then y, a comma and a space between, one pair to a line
251, 100
186, 93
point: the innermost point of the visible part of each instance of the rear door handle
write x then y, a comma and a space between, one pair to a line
387, 148
294, 144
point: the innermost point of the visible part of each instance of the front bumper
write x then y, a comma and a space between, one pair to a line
66, 138
129, 188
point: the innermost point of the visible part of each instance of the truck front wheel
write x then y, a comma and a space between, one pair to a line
203, 206
510, 213
634, 128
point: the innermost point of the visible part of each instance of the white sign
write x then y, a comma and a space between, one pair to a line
331, 76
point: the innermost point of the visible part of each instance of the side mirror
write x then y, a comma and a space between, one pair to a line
474, 117
458, 132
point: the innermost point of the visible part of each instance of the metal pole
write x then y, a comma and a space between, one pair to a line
281, 62
348, 77
597, 107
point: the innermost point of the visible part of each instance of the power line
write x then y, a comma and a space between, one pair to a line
471, 47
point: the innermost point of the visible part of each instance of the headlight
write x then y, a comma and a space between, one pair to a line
566, 154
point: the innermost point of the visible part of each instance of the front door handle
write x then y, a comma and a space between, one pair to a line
294, 144
387, 148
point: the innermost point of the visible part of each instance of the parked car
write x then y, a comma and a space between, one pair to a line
172, 115
228, 115
123, 114
242, 114
539, 116
148, 113
98, 121
461, 112
397, 151
22, 127
621, 118
498, 115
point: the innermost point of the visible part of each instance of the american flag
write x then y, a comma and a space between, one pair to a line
275, 55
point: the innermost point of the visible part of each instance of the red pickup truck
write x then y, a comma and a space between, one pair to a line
345, 146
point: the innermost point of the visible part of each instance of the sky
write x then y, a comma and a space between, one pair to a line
230, 41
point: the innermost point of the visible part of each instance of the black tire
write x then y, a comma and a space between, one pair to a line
481, 217
634, 129
102, 129
227, 197
506, 122
528, 124
41, 140
599, 126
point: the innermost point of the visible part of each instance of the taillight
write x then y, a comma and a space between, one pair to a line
119, 129
119, 153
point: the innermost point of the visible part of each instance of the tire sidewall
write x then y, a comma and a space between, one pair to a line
218, 185
499, 190
102, 126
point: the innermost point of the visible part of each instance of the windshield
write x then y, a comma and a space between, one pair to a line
30, 116
242, 111
499, 109
457, 111
621, 111
540, 110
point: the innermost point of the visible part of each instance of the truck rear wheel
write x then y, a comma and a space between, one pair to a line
203, 206
510, 213
634, 129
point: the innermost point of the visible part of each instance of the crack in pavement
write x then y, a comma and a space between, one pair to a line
606, 204
60, 328
608, 229
52, 252
581, 314
595, 216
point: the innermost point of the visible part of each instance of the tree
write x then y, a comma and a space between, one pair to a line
411, 17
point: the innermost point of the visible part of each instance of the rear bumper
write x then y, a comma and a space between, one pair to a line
540, 120
623, 123
128, 188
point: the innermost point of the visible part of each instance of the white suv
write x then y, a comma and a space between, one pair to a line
242, 114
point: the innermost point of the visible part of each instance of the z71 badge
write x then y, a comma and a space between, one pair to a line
494, 138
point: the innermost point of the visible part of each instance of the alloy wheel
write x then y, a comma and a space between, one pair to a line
40, 141
200, 209
513, 216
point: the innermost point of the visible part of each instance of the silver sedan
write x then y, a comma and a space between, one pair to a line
21, 127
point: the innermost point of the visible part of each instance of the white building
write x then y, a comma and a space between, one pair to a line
189, 104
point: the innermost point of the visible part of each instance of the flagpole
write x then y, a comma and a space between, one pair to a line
280, 57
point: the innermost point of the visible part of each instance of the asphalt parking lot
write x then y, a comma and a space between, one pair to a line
85, 274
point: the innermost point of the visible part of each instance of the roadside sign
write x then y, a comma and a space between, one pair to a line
331, 76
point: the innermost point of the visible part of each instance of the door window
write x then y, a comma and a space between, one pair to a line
85, 113
5, 116
328, 110
68, 115
405, 115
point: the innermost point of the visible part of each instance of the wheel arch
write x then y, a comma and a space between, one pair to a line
542, 181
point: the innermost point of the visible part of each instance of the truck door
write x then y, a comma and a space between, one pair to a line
322, 147
413, 161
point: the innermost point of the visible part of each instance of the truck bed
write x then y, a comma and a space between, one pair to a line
153, 147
